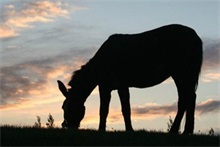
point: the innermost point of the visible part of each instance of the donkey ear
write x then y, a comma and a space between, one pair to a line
62, 88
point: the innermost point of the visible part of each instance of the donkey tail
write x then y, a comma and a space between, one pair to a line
198, 59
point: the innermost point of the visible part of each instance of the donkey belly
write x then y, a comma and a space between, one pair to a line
147, 79
143, 77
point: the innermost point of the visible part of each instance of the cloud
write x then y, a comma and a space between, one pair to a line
208, 106
211, 51
211, 62
154, 109
37, 78
150, 109
210, 77
39, 11
15, 17
7, 32
31, 78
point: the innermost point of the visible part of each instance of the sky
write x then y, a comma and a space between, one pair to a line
42, 41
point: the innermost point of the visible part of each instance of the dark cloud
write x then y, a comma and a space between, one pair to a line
211, 53
18, 81
155, 109
208, 106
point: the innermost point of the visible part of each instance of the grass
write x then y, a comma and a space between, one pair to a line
29, 136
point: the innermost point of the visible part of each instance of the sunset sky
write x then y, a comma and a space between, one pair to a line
42, 41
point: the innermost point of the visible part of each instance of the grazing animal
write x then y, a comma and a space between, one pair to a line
138, 60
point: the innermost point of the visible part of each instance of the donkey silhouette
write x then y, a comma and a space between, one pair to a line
138, 60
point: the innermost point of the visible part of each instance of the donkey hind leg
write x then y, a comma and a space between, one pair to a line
125, 104
186, 102
190, 114
105, 96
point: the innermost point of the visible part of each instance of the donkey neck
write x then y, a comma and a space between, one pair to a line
82, 83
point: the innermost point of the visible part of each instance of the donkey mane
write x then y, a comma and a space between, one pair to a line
77, 76
81, 76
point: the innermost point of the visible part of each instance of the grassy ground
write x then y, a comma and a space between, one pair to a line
27, 136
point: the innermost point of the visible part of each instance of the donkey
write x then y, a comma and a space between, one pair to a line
138, 60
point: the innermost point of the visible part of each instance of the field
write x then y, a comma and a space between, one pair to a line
29, 136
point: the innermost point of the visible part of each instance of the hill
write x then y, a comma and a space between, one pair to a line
29, 136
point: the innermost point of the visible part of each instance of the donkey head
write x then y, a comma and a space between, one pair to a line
74, 110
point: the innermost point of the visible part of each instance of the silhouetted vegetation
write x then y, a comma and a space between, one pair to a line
50, 120
32, 136
169, 124
211, 132
38, 123
49, 124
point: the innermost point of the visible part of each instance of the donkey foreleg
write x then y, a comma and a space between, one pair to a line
105, 96
125, 104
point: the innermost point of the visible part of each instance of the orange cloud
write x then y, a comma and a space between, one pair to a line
38, 11
7, 32
49, 95
211, 76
